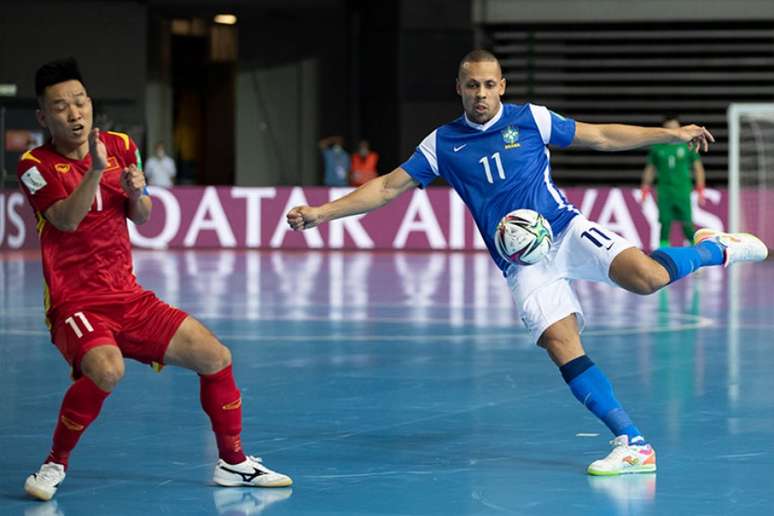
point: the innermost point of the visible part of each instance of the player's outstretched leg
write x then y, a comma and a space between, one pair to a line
642, 274
194, 347
631, 453
710, 248
103, 367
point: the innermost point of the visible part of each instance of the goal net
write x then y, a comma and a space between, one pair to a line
751, 170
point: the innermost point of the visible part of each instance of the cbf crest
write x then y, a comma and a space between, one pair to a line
510, 137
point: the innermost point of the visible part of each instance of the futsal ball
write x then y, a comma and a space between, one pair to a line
523, 237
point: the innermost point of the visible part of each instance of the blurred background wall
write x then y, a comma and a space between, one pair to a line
245, 103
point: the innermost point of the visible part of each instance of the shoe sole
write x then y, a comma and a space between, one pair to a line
38, 493
280, 483
648, 468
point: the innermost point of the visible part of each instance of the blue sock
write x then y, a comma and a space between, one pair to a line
681, 261
591, 387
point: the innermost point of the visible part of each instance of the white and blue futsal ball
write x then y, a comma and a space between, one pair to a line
523, 237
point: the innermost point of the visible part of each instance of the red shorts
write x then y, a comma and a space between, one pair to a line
141, 328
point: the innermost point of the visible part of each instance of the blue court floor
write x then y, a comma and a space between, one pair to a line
404, 384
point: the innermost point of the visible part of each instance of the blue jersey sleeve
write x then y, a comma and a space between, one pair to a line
562, 130
554, 129
422, 166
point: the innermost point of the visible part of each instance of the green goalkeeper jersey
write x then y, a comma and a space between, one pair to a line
674, 168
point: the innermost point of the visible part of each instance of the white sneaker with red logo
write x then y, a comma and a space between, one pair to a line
737, 247
625, 458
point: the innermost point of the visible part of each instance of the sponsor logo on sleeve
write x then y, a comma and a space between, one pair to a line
33, 180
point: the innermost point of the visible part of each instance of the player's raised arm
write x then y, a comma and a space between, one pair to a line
619, 137
133, 183
374, 194
67, 214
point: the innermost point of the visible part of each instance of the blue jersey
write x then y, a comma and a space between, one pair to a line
499, 166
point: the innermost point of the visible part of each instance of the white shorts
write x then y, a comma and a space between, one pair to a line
544, 292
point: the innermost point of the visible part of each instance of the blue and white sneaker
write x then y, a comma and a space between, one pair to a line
43, 484
737, 247
250, 473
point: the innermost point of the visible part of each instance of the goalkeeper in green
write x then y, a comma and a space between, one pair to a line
677, 170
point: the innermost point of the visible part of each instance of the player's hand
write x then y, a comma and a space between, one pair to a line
304, 217
644, 193
97, 151
697, 137
133, 181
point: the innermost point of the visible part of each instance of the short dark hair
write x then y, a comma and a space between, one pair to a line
54, 72
477, 56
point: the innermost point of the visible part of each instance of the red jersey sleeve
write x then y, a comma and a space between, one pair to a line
39, 182
126, 148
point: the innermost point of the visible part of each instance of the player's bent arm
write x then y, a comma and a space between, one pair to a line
619, 137
139, 210
67, 214
372, 195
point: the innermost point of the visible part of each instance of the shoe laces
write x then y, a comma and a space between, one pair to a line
259, 463
51, 472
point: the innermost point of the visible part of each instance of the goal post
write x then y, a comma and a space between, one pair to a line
751, 169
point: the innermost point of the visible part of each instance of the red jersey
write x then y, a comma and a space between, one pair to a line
93, 264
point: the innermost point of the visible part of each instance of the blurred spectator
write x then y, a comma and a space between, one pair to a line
336, 161
364, 163
160, 169
674, 166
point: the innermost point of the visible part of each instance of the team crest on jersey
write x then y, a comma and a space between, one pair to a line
510, 137
112, 163
62, 168
33, 180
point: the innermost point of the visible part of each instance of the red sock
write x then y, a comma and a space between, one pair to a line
223, 403
80, 406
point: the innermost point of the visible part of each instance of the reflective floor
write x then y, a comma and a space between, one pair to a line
404, 384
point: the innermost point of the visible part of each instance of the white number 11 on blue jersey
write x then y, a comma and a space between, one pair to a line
487, 169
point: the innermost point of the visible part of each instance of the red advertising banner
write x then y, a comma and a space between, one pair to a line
436, 218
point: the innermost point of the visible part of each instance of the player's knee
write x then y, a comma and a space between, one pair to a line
107, 374
224, 355
104, 365
217, 358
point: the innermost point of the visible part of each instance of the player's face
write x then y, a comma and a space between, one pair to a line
66, 113
480, 86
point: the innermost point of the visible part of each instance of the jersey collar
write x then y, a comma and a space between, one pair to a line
484, 127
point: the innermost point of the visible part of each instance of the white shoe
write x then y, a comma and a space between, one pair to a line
737, 247
625, 458
251, 472
43, 484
